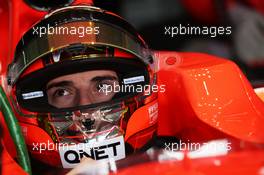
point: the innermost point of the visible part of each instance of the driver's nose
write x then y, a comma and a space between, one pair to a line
84, 100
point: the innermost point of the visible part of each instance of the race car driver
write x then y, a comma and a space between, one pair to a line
51, 103
79, 75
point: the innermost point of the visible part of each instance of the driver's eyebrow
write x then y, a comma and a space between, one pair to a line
59, 84
101, 78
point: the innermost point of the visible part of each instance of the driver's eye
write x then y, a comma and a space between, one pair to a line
61, 92
103, 86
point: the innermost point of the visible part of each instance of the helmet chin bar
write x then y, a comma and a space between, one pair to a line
87, 125
94, 133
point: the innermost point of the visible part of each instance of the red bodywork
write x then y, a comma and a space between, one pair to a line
237, 163
206, 98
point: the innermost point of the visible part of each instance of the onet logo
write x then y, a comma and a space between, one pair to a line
96, 153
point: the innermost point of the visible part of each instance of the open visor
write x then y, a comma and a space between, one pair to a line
87, 81
71, 41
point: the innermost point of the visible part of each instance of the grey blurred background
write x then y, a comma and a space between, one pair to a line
245, 45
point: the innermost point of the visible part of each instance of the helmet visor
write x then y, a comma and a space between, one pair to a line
30, 50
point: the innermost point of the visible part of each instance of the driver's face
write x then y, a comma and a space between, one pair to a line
81, 88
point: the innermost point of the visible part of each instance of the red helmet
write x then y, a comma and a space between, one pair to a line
48, 75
